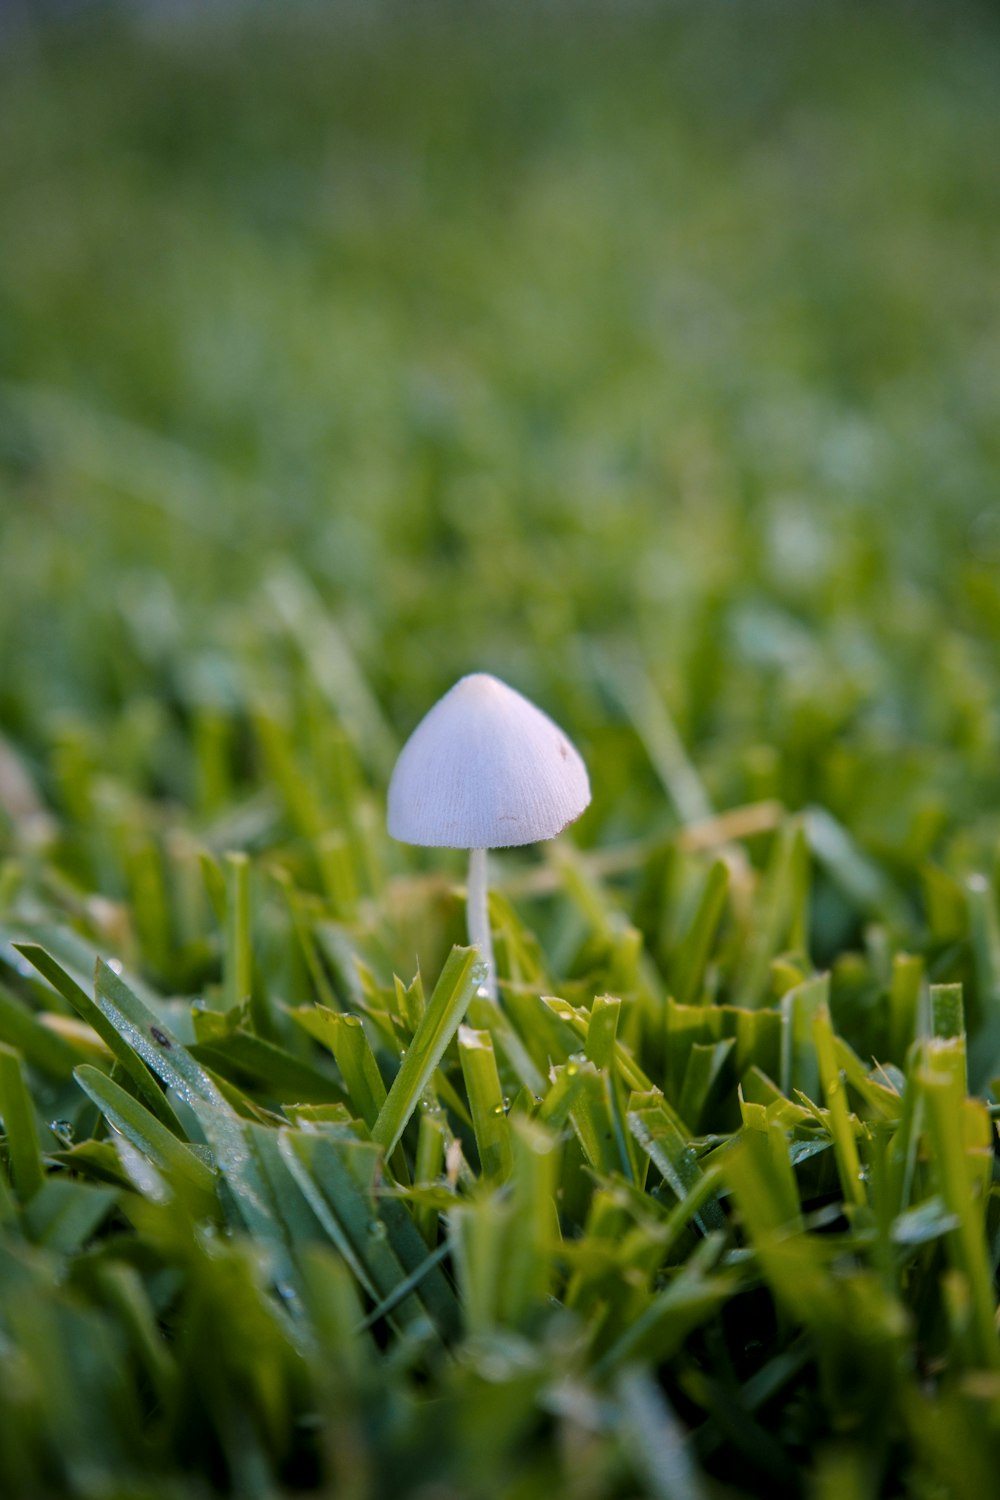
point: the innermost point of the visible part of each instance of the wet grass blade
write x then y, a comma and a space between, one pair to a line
149, 1038
151, 1137
103, 1024
486, 1101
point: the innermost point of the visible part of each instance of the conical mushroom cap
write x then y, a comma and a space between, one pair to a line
483, 770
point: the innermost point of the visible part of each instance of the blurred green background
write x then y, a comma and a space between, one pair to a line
645, 356
648, 356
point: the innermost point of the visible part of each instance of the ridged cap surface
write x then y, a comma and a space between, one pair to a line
485, 769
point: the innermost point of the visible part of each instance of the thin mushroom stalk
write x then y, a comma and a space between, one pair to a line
477, 913
485, 769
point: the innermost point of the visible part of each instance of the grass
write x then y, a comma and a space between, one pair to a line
650, 363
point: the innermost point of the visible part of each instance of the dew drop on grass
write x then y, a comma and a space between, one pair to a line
115, 965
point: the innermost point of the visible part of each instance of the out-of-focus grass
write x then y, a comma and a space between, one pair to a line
651, 361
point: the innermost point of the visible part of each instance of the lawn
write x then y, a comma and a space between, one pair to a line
645, 356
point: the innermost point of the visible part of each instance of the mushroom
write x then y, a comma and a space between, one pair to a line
485, 769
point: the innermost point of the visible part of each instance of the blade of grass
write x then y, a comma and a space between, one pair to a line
149, 1037
447, 1005
110, 1034
688, 962
64, 1214
654, 1439
344, 1035
844, 1144
237, 956
20, 1127
529, 1264
153, 1139
661, 1136
42, 1048
904, 1003
945, 1098
486, 1101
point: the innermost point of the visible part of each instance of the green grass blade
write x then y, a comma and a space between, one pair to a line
41, 1047
344, 1035
149, 1037
844, 1143
945, 1117
602, 1028
947, 1011
486, 1101
111, 1034
237, 962
20, 1127
529, 1263
262, 1067
799, 1008
445, 1009
150, 1136
64, 1214
904, 1003
655, 1440
691, 955
662, 1137
704, 1067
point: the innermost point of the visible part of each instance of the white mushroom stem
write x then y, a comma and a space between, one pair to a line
478, 916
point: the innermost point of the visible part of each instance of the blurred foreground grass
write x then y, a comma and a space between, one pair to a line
651, 363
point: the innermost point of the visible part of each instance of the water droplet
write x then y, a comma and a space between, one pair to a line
63, 1129
376, 1229
115, 965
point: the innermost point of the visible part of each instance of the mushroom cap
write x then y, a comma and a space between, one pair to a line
485, 769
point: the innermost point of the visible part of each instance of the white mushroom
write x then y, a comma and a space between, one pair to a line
485, 769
